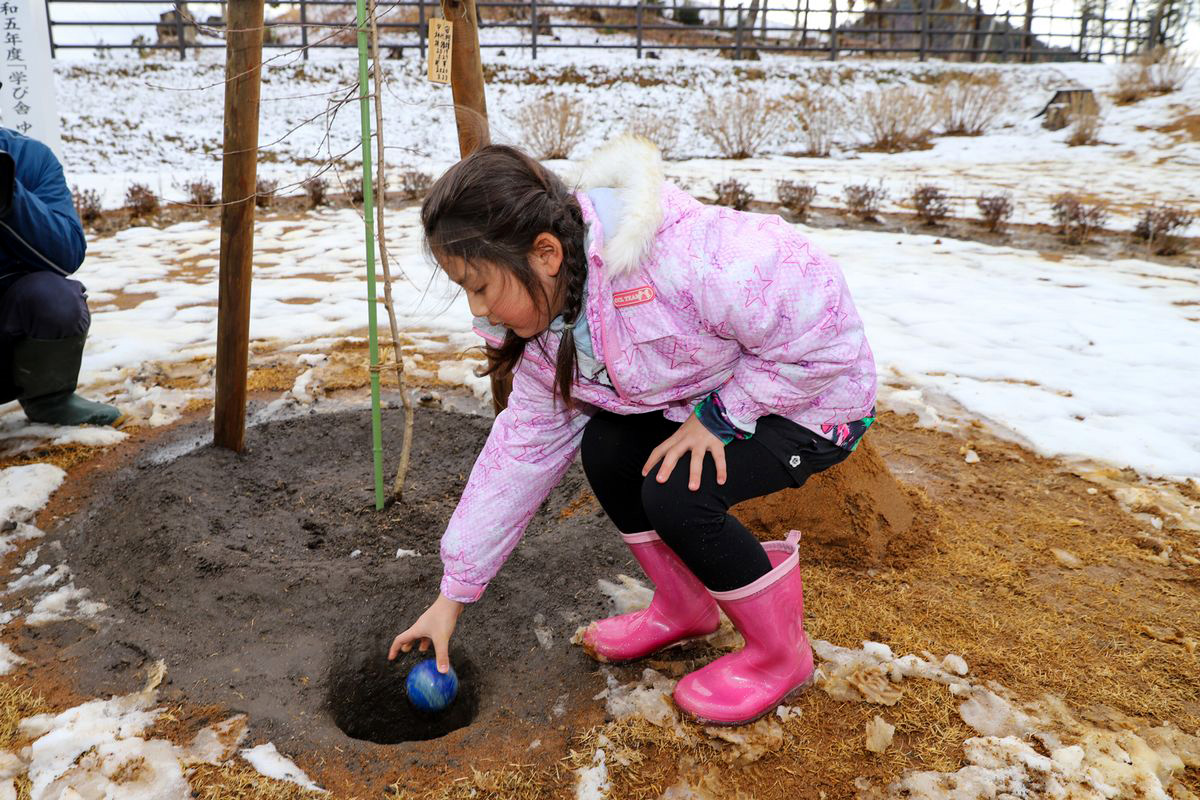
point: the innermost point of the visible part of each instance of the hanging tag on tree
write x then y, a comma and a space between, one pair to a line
441, 37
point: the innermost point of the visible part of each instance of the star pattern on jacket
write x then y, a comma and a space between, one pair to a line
756, 288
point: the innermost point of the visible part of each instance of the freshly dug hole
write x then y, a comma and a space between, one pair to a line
367, 698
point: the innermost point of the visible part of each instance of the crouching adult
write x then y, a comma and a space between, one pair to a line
44, 316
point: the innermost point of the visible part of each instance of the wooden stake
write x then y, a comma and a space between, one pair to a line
466, 77
243, 62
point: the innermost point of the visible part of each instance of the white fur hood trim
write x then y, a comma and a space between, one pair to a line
632, 166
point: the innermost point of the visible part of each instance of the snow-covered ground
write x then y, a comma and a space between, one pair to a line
159, 122
1076, 357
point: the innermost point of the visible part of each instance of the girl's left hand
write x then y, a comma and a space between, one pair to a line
692, 437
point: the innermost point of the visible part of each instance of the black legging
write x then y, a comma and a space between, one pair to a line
697, 524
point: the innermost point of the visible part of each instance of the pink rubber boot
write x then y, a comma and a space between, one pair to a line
681, 609
777, 660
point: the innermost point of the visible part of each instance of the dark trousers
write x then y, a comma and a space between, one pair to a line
39, 305
697, 525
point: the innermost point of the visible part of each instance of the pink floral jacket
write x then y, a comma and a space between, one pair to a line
682, 299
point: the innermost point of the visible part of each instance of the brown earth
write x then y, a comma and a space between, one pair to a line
207, 561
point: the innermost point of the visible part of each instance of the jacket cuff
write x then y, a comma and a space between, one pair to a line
741, 409
462, 592
713, 415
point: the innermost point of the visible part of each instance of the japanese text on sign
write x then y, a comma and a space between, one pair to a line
441, 37
26, 83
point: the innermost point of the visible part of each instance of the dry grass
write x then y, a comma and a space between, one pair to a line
863, 200
732, 193
969, 103
897, 119
16, 703
238, 781
1161, 228
1077, 219
1085, 122
932, 204
1161, 70
741, 123
997, 210
820, 114
796, 197
552, 126
656, 127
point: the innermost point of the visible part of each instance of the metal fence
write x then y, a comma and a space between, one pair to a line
960, 30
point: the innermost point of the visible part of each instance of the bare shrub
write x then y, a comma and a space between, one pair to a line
657, 128
1085, 122
967, 104
354, 189
264, 192
87, 204
200, 192
820, 116
316, 188
897, 119
932, 204
552, 126
1076, 219
741, 123
415, 184
733, 194
1161, 228
141, 200
1169, 69
796, 197
997, 210
1161, 70
863, 200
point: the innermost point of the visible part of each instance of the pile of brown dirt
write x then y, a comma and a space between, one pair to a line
856, 514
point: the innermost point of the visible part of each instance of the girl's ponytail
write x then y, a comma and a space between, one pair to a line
490, 207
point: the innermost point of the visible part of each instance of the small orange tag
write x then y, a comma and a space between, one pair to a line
633, 297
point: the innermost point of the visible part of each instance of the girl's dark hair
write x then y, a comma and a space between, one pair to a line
490, 207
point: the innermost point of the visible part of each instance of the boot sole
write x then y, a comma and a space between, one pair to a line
679, 643
792, 694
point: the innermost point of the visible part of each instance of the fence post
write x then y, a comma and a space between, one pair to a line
421, 27
1004, 55
1027, 46
833, 31
737, 37
179, 29
923, 42
304, 27
1128, 33
640, 11
1083, 26
1103, 25
50, 29
533, 38
721, 14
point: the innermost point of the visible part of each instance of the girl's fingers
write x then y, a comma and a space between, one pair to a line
668, 465
697, 468
655, 455
424, 645
397, 645
719, 457
441, 649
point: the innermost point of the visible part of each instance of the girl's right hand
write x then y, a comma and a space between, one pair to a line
434, 626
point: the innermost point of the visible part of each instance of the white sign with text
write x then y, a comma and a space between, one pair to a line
26, 79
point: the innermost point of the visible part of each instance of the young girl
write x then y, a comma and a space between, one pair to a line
695, 356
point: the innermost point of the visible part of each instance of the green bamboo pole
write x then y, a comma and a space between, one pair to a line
364, 103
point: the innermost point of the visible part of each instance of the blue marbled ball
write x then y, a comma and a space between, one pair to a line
430, 690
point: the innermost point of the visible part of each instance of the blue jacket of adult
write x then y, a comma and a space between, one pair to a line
40, 229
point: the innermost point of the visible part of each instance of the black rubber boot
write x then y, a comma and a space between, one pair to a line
46, 372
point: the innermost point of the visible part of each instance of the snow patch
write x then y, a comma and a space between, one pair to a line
25, 490
270, 763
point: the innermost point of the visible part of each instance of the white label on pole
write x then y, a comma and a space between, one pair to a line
441, 43
26, 79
